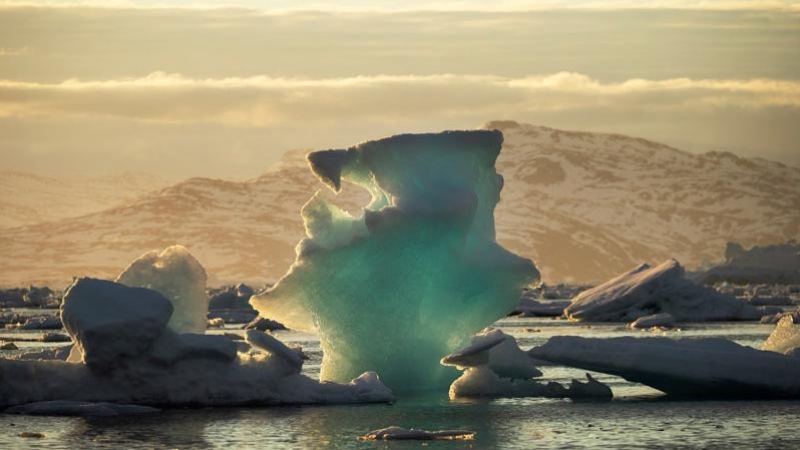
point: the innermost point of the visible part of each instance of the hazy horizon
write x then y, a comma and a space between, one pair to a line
182, 89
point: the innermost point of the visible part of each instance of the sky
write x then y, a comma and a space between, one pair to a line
222, 89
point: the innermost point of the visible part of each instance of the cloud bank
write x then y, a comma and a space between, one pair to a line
263, 101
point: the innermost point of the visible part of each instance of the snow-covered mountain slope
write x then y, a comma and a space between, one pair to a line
240, 231
588, 205
26, 198
584, 206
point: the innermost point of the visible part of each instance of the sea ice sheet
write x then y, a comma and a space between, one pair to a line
695, 368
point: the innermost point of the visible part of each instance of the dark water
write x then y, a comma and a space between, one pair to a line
638, 417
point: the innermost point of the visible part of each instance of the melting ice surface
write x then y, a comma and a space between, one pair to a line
409, 280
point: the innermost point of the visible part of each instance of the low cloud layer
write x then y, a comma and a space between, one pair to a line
271, 102
203, 90
752, 117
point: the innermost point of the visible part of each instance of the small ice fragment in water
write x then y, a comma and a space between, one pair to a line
398, 433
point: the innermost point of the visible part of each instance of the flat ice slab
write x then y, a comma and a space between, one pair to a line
398, 433
697, 368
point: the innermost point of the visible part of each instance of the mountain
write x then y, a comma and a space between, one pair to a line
584, 206
27, 198
587, 206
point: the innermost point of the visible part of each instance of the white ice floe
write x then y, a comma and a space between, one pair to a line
178, 276
648, 290
125, 353
398, 433
696, 368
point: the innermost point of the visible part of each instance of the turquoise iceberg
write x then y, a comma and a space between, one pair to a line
413, 276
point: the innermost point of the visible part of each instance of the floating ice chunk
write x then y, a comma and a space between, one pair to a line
494, 366
264, 324
590, 389
476, 354
481, 381
785, 337
179, 277
109, 322
697, 368
647, 290
506, 359
292, 358
124, 353
499, 351
60, 354
42, 323
665, 320
423, 249
529, 307
405, 434
73, 408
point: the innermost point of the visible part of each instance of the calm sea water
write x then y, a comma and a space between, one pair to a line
638, 417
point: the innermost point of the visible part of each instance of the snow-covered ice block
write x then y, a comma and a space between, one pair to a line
697, 368
416, 273
647, 290
109, 322
74, 408
179, 277
404, 434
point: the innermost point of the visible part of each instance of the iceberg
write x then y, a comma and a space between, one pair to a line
646, 290
178, 276
125, 353
408, 280
693, 368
